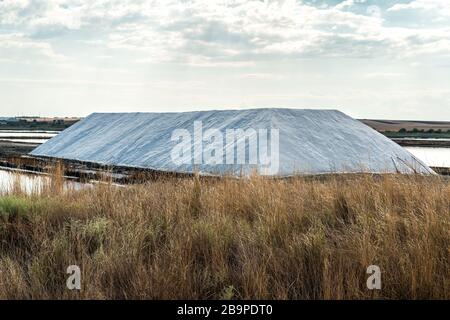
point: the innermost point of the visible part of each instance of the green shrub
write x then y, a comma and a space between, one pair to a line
12, 207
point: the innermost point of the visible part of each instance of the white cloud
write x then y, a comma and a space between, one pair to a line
10, 9
348, 4
439, 7
212, 32
253, 30
114, 53
17, 47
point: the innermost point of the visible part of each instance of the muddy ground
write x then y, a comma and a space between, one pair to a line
10, 149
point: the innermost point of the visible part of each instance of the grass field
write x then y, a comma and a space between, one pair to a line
230, 239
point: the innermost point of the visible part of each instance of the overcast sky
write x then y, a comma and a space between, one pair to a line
370, 59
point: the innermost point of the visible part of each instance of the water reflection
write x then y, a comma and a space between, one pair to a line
31, 183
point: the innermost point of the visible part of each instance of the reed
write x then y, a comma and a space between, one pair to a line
256, 238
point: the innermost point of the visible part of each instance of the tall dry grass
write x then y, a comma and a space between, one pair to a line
253, 238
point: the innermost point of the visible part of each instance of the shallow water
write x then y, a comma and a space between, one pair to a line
32, 141
435, 157
33, 131
427, 139
31, 183
26, 134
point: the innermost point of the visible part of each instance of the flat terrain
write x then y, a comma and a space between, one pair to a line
22, 125
9, 148
37, 130
379, 125
397, 125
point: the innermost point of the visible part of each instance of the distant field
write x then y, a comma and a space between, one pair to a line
35, 126
397, 125
379, 125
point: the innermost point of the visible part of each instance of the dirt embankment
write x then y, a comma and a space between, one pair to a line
10, 149
409, 125
430, 143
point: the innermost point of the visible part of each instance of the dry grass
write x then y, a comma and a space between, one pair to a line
231, 239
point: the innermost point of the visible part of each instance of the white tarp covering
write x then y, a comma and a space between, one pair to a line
310, 142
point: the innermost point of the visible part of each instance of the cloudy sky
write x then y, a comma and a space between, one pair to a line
370, 59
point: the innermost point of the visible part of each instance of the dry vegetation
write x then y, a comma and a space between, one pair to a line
230, 239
